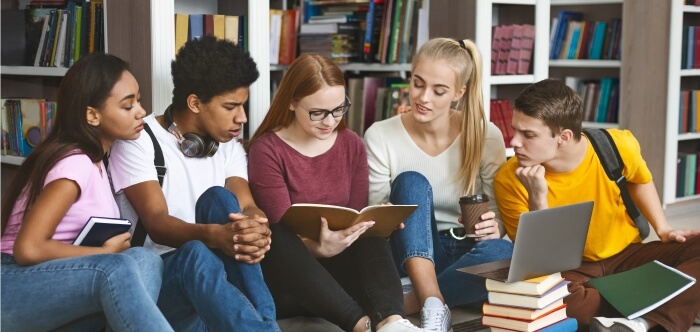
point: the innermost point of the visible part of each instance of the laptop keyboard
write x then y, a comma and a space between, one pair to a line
469, 326
497, 274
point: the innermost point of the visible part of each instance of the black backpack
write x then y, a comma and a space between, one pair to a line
609, 156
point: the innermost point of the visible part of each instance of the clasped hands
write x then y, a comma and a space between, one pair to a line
245, 238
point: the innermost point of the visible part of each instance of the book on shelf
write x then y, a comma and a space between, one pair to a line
275, 34
305, 219
526, 325
528, 301
288, 36
535, 286
373, 29
687, 183
97, 230
182, 22
566, 325
527, 44
520, 313
514, 51
640, 290
196, 27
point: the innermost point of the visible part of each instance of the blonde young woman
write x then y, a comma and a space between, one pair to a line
442, 149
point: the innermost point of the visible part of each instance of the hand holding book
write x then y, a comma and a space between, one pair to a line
331, 243
97, 231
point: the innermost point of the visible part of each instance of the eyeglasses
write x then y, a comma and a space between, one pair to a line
316, 114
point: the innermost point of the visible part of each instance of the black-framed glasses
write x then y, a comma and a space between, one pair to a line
316, 114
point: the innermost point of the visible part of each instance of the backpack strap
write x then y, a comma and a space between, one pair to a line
609, 157
139, 236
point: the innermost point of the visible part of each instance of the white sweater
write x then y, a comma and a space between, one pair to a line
391, 151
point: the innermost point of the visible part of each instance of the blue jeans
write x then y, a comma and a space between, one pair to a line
79, 293
205, 289
420, 239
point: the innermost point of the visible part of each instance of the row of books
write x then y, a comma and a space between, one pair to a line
382, 31
688, 174
501, 115
25, 124
511, 49
52, 34
284, 26
689, 112
530, 305
573, 38
690, 47
691, 2
600, 97
67, 33
334, 30
375, 98
193, 26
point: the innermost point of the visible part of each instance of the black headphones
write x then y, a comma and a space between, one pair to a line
191, 145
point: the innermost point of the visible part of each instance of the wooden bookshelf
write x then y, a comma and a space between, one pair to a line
652, 94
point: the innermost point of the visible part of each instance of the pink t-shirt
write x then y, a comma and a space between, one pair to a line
95, 199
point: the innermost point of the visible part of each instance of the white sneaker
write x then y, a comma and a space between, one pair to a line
401, 325
435, 316
602, 324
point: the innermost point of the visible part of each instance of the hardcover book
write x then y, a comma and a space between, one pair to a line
567, 325
535, 286
527, 301
97, 230
525, 325
305, 219
520, 313
642, 289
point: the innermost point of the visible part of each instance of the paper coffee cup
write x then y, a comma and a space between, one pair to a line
473, 206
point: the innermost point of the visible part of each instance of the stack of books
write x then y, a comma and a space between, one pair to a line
530, 305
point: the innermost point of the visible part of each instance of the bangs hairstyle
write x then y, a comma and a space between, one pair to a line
208, 67
308, 74
554, 103
88, 83
464, 59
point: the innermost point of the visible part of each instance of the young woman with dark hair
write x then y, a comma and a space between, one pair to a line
48, 283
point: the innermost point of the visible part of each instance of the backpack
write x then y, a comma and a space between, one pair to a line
613, 165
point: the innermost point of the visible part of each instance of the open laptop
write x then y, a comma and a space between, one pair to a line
547, 241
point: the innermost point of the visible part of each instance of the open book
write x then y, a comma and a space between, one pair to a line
305, 219
97, 230
642, 289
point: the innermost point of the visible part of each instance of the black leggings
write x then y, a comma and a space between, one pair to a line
342, 289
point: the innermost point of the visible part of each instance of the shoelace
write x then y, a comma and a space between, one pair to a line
431, 319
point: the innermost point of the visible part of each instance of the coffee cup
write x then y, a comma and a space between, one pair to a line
473, 206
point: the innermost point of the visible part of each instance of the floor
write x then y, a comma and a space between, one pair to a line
679, 216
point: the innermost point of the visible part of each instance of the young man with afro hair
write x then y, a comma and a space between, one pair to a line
202, 220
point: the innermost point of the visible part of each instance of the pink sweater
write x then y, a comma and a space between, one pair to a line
280, 176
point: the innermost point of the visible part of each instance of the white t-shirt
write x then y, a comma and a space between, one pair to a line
131, 162
391, 151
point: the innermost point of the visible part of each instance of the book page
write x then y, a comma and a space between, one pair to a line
305, 219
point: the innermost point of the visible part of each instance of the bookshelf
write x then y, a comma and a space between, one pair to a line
475, 19
159, 45
28, 82
593, 10
653, 94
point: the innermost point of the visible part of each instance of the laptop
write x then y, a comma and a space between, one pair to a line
547, 241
